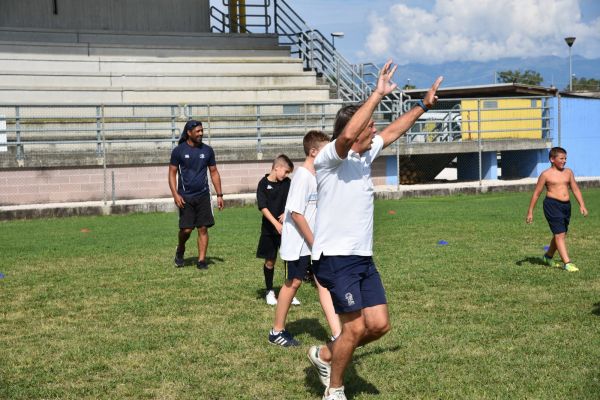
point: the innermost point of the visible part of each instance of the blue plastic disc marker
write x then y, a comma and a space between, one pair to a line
1, 275
442, 243
546, 248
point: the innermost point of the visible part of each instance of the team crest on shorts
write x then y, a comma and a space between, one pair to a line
349, 299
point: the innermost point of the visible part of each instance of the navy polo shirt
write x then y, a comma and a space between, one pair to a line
192, 162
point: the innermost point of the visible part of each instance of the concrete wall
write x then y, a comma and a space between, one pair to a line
48, 185
112, 15
580, 134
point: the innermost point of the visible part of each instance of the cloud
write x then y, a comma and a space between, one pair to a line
483, 30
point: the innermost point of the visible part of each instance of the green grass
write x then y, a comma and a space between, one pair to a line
104, 315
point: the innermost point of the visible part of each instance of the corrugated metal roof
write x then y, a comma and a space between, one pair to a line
494, 90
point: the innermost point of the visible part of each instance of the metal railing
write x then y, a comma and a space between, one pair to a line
352, 83
75, 135
48, 133
241, 17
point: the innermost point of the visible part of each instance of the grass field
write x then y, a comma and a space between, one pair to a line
102, 314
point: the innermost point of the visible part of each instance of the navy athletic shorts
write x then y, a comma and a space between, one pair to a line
558, 214
196, 212
297, 269
353, 282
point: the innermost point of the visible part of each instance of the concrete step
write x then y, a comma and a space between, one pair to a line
175, 40
95, 95
134, 50
144, 80
152, 65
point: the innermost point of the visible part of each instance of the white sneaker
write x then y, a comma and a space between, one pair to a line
295, 301
323, 368
337, 394
270, 298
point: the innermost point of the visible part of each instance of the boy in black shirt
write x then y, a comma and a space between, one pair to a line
271, 195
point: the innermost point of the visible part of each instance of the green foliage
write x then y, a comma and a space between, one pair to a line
585, 84
527, 77
103, 314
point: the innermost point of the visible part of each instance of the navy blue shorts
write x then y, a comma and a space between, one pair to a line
353, 282
297, 269
558, 214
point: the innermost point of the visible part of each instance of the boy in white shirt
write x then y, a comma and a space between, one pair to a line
297, 240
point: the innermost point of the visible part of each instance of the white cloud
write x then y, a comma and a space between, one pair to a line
483, 30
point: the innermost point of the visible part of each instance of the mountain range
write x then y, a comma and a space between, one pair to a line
555, 71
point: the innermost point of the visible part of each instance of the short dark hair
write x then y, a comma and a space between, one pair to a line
312, 139
283, 159
191, 124
556, 151
343, 116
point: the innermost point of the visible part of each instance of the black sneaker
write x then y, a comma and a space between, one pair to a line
201, 264
283, 338
179, 261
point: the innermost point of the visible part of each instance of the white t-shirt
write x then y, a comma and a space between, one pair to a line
344, 224
302, 199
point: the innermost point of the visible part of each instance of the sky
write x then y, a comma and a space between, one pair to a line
440, 31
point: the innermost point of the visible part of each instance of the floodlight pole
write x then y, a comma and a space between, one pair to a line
570, 40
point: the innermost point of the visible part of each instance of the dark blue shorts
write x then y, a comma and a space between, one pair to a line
558, 214
297, 269
353, 282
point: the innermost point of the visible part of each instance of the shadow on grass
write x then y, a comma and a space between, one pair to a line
262, 292
353, 383
311, 326
596, 310
191, 261
531, 260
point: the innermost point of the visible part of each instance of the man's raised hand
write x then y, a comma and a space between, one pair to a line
385, 85
431, 98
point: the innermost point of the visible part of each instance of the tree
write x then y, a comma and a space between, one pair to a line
527, 77
408, 86
585, 84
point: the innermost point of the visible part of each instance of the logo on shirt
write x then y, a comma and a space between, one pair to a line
201, 155
349, 299
186, 156
269, 187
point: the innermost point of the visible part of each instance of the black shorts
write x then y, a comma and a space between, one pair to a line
558, 214
196, 212
268, 246
297, 269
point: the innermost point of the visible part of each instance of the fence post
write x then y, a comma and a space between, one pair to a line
103, 152
558, 120
337, 73
173, 128
20, 150
208, 122
98, 132
113, 187
398, 146
479, 141
275, 17
312, 50
259, 152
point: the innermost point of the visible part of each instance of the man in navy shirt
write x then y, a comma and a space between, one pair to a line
188, 182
